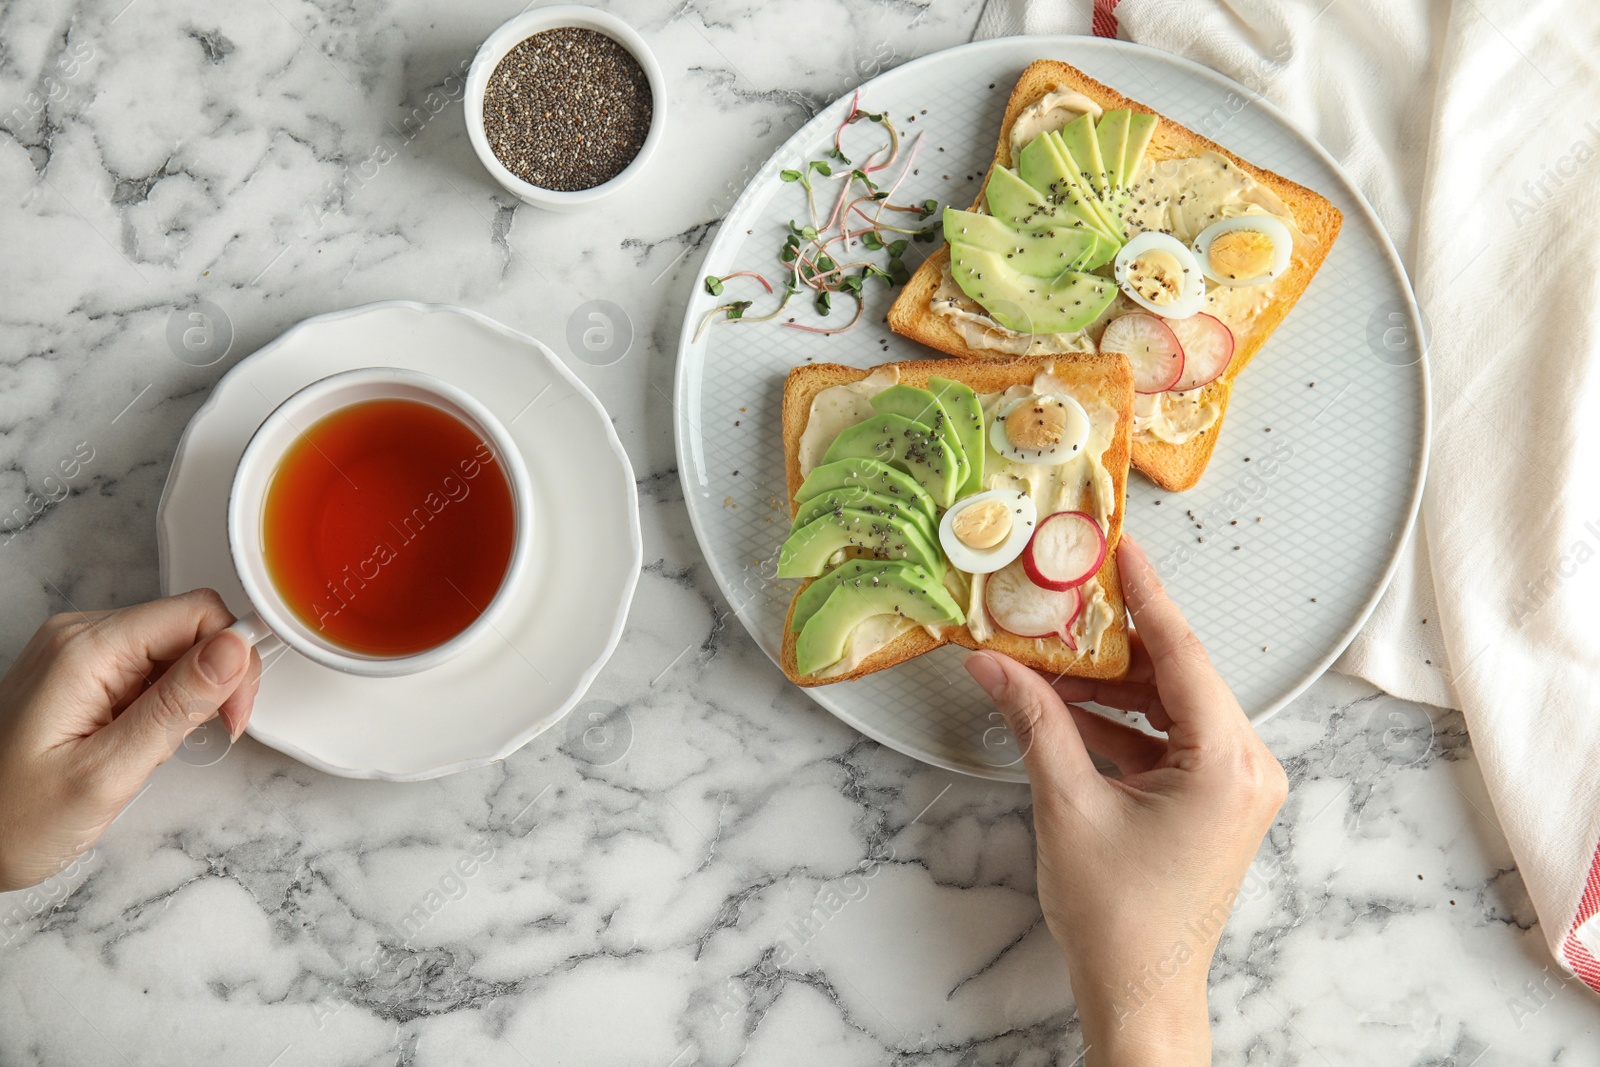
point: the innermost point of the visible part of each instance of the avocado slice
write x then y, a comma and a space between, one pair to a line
1112, 133
1044, 252
872, 474
1018, 302
1079, 171
1037, 165
967, 415
1015, 202
908, 445
807, 551
1044, 169
919, 405
1046, 164
1141, 128
915, 595
1079, 141
816, 594
864, 500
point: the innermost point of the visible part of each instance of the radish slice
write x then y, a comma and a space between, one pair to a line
1027, 610
1207, 349
1151, 347
1065, 551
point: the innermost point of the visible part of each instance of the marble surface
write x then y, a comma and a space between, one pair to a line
626, 901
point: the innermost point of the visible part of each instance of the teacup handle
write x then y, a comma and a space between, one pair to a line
251, 628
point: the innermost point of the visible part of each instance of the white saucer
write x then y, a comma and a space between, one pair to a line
567, 615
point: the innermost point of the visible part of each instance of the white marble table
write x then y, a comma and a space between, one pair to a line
280, 158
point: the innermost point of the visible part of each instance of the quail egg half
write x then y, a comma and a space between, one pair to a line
1244, 250
1157, 272
1042, 429
983, 532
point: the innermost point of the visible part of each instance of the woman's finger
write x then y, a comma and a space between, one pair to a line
1131, 750
190, 692
235, 711
1192, 693
1124, 696
146, 634
1049, 740
1140, 669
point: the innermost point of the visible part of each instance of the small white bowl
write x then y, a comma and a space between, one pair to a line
512, 33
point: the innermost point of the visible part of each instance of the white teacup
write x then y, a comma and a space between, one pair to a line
271, 616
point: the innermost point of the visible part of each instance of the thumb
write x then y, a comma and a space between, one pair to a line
1052, 748
187, 695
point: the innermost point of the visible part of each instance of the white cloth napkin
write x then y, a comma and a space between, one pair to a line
1471, 128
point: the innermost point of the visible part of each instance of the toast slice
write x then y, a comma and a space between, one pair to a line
1107, 378
1173, 467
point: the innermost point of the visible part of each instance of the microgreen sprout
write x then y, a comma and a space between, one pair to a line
820, 254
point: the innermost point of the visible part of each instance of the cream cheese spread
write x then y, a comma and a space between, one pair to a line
837, 408
1174, 417
871, 634
1047, 114
1184, 196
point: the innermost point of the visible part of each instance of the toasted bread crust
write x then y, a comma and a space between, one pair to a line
1108, 378
1173, 467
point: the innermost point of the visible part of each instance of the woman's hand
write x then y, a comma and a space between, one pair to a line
95, 702
1138, 874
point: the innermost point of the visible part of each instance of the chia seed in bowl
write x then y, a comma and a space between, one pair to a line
567, 109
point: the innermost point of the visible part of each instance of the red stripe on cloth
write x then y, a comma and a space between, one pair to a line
1105, 18
1579, 958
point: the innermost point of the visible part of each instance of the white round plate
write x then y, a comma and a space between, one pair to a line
1318, 507
564, 621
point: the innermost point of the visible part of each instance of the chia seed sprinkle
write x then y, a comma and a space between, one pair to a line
567, 109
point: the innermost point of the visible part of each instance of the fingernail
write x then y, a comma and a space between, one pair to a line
987, 673
235, 728
223, 658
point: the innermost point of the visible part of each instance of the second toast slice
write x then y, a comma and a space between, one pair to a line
1172, 452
